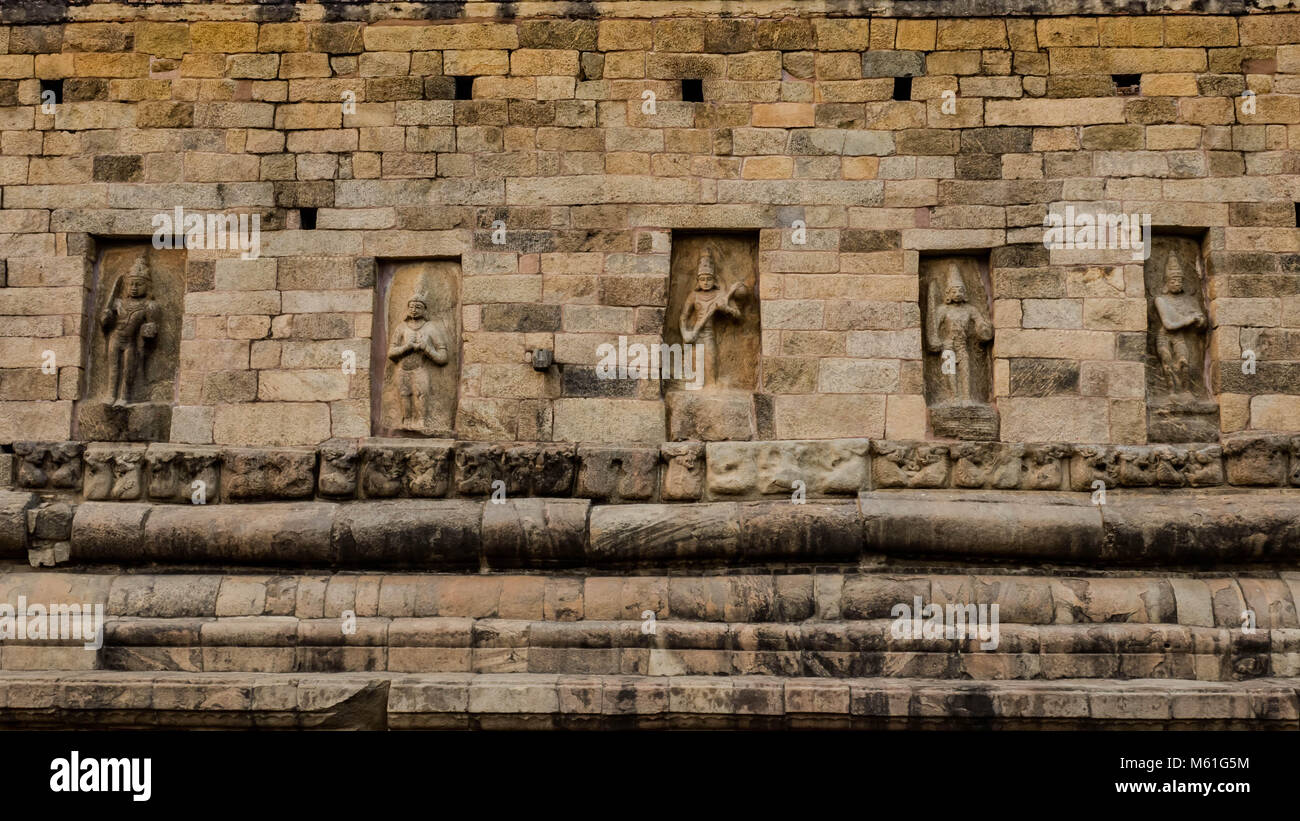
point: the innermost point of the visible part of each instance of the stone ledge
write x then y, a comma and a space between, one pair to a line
542, 701
840, 649
1212, 599
340, 470
445, 10
1181, 529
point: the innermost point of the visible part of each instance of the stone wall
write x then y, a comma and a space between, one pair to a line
855, 149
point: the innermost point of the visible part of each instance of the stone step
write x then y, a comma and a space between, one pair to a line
1212, 599
104, 699
842, 649
1134, 528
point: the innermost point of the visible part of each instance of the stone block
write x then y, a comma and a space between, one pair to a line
610, 473
909, 464
183, 473
712, 416
257, 474
1256, 460
113, 472
683, 471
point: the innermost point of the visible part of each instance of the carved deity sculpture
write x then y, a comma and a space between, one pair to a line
955, 325
1178, 336
704, 307
417, 346
130, 321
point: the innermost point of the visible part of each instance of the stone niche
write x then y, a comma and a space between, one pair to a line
1180, 407
416, 348
132, 341
713, 314
957, 336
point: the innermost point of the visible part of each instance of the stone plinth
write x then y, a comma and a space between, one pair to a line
711, 416
136, 422
964, 420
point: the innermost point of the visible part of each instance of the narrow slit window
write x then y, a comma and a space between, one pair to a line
49, 87
1127, 84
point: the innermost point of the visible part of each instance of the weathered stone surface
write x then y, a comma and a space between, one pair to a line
535, 532
54, 465
611, 474
682, 476
1256, 460
254, 474
1004, 525
13, 522
906, 464
819, 468
183, 473
426, 534
340, 465
114, 472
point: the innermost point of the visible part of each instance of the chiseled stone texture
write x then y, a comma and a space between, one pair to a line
520, 147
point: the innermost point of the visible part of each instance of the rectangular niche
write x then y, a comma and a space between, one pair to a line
415, 352
712, 308
1180, 405
131, 343
957, 337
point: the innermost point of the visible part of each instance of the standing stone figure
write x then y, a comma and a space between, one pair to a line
1178, 335
131, 323
417, 345
958, 326
701, 311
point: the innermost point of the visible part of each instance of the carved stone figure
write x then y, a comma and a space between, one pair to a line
706, 306
1178, 338
416, 348
713, 316
131, 322
134, 349
416, 354
1179, 405
958, 334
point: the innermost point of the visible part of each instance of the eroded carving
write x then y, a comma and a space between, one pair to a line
1043, 466
176, 473
909, 464
958, 336
987, 464
252, 473
113, 472
613, 473
339, 469
1256, 460
54, 465
1092, 463
713, 314
683, 471
419, 364
133, 355
1179, 405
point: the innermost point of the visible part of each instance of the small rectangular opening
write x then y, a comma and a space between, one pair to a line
902, 88
55, 86
693, 91
307, 219
1127, 84
464, 88
1297, 214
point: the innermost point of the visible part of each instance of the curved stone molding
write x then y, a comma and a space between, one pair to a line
1019, 527
1188, 529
